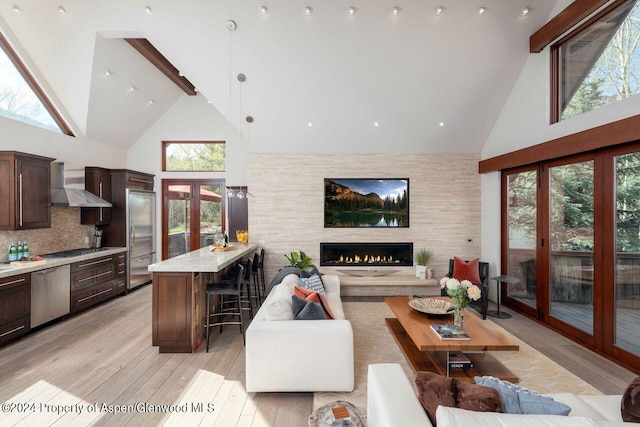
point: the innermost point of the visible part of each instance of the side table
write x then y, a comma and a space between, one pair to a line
323, 417
499, 281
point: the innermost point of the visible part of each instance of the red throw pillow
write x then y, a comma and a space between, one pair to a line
315, 297
467, 270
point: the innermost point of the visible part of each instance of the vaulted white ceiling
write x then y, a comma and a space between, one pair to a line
408, 73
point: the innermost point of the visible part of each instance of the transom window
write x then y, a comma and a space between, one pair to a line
599, 62
194, 156
20, 96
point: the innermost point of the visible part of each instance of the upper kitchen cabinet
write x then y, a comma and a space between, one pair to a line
25, 189
123, 178
97, 181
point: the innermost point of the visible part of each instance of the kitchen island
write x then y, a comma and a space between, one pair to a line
179, 295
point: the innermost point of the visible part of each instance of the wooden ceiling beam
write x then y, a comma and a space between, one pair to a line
154, 56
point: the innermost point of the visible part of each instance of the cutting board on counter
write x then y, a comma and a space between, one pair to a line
27, 263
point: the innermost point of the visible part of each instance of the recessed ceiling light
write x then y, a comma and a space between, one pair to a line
133, 89
263, 9
249, 119
108, 73
482, 10
525, 11
395, 11
308, 10
376, 124
352, 11
439, 10
310, 124
17, 9
148, 10
441, 124
61, 10
150, 102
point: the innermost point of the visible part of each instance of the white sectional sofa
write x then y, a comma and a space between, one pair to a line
392, 402
299, 355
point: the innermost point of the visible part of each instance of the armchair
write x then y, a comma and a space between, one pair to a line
482, 304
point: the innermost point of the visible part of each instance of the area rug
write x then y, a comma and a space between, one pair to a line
374, 344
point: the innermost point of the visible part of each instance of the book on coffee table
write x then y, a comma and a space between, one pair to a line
449, 332
458, 359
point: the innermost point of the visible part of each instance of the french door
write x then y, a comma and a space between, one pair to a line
571, 234
192, 214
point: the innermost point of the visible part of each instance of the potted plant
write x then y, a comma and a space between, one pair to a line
423, 256
300, 260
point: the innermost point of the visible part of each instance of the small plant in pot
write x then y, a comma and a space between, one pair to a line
300, 260
423, 256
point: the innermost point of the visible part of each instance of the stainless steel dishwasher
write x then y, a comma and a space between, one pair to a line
50, 294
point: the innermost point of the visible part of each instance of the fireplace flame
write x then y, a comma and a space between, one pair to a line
366, 259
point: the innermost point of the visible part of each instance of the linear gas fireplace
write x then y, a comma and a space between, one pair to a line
366, 254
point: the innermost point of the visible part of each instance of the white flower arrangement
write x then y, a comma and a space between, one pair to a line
460, 292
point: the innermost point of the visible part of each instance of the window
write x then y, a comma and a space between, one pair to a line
194, 156
599, 62
20, 96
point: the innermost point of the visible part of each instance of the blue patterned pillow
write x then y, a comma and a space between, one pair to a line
313, 283
518, 400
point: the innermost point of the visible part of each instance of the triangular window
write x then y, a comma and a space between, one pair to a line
20, 96
599, 63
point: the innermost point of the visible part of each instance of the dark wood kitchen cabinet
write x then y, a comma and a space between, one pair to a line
92, 281
97, 181
124, 178
15, 307
25, 191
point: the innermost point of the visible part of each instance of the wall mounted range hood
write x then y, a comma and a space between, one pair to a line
67, 188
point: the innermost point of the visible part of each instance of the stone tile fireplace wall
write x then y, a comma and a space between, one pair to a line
287, 208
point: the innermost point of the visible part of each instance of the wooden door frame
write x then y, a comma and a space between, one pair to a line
194, 208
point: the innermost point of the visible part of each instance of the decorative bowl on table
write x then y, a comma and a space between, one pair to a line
432, 306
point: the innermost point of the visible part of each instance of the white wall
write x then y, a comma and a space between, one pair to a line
191, 118
19, 136
524, 122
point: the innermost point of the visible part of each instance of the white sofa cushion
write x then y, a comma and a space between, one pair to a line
454, 417
594, 406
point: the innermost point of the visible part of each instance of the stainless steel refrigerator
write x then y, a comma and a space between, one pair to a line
141, 235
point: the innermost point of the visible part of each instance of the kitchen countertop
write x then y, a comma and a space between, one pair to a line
204, 260
7, 270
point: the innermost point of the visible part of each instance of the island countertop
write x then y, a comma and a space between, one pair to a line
204, 259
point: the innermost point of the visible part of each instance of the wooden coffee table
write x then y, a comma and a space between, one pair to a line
427, 352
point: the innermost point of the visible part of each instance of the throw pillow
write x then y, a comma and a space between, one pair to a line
315, 297
518, 400
306, 310
278, 309
470, 271
436, 390
309, 273
630, 404
313, 283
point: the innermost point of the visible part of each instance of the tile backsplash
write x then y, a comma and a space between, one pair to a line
66, 232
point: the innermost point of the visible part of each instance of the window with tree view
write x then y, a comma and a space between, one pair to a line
18, 99
200, 156
599, 63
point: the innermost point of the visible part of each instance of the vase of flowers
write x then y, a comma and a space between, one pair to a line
461, 293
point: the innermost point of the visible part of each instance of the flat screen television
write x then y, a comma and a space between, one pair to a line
366, 202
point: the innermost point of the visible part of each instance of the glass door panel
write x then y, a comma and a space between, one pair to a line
571, 240
179, 203
627, 265
210, 213
522, 214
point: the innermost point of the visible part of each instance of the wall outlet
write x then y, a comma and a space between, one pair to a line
86, 240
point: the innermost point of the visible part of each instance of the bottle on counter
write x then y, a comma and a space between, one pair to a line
13, 252
19, 250
226, 240
25, 249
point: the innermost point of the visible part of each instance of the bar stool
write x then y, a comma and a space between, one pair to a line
234, 289
246, 289
255, 276
263, 283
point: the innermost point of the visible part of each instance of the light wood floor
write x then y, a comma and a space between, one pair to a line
104, 356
